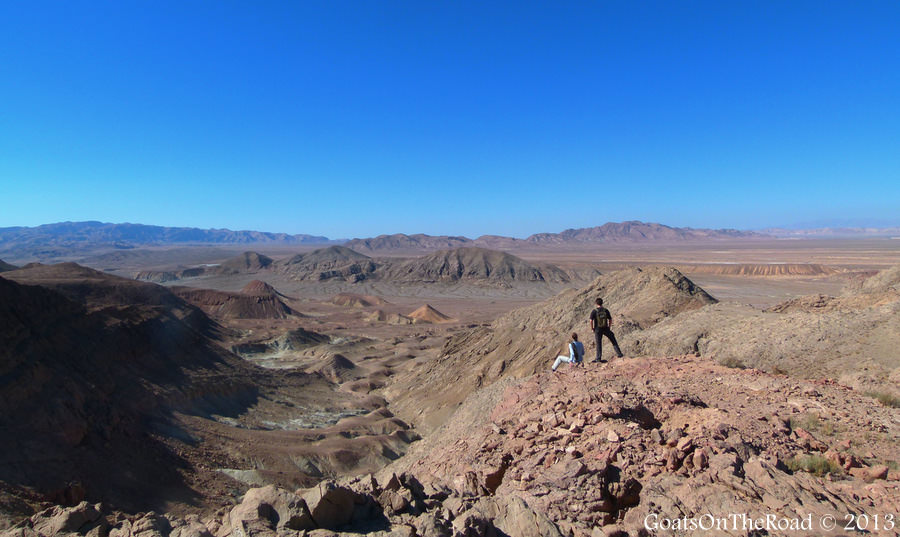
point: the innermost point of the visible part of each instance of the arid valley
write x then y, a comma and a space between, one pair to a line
402, 386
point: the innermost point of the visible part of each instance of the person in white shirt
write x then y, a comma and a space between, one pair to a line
576, 353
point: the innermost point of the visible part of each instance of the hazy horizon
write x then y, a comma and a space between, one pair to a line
819, 225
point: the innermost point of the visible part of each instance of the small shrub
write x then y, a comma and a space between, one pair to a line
885, 398
814, 423
813, 464
733, 363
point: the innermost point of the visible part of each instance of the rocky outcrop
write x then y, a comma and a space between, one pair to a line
602, 449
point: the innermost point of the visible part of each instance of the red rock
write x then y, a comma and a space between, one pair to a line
700, 459
877, 472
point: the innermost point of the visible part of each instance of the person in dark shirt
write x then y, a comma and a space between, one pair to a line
601, 321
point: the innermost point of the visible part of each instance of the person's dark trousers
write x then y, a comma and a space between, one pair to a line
598, 338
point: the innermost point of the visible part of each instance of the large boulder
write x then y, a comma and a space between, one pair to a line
273, 508
330, 505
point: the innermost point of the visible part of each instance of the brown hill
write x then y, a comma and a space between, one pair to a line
407, 243
257, 300
334, 262
636, 231
358, 301
427, 314
248, 262
525, 340
472, 264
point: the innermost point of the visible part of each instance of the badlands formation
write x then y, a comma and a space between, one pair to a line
335, 392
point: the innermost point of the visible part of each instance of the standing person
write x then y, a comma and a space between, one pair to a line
601, 321
576, 353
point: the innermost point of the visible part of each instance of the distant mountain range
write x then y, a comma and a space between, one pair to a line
69, 240
633, 231
140, 234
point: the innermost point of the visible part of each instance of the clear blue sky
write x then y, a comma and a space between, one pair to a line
351, 119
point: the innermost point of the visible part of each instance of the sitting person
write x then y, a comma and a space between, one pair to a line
576, 353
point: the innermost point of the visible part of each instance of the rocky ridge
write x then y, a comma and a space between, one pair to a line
599, 449
524, 341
